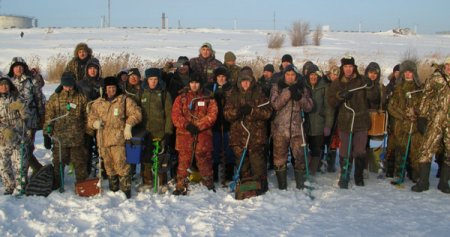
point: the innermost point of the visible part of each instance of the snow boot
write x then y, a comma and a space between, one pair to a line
443, 179
181, 187
344, 179
147, 178
216, 172
424, 175
113, 183
281, 173
331, 162
314, 165
299, 179
359, 170
264, 184
208, 181
125, 185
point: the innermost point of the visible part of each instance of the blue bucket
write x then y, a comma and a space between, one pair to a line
134, 149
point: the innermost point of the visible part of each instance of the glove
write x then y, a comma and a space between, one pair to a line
345, 94
192, 129
245, 109
295, 93
16, 106
8, 134
97, 124
127, 132
47, 142
326, 131
422, 125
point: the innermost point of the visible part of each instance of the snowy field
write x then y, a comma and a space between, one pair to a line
378, 209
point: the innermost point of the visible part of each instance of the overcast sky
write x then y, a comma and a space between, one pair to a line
372, 15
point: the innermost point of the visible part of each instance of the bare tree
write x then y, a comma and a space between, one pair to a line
275, 40
298, 33
317, 35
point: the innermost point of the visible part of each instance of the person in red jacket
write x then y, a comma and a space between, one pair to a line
194, 113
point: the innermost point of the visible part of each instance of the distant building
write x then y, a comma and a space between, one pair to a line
23, 22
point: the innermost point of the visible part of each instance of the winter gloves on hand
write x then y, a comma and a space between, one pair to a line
245, 109
97, 124
345, 95
192, 129
19, 107
422, 125
296, 94
47, 142
127, 132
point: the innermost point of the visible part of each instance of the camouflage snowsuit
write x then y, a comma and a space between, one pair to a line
111, 142
435, 106
68, 130
255, 164
287, 124
205, 67
400, 106
203, 115
77, 66
11, 150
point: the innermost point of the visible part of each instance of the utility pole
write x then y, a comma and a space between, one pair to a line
109, 13
274, 21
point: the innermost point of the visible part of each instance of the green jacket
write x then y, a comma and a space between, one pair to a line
156, 107
321, 115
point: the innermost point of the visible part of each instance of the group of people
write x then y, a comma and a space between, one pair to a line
217, 119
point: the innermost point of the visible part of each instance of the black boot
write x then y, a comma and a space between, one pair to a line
359, 170
113, 183
314, 164
216, 172
281, 173
344, 177
299, 179
424, 175
331, 168
125, 185
443, 179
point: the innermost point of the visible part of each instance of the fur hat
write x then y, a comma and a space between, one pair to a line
134, 71
82, 46
153, 72
447, 60
68, 79
396, 68
229, 56
411, 66
221, 71
348, 60
335, 70
287, 58
269, 67
182, 61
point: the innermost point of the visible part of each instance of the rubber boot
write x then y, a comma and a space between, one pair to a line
443, 179
216, 172
281, 173
359, 171
264, 184
424, 175
299, 179
162, 178
125, 185
314, 164
331, 168
113, 183
390, 166
344, 179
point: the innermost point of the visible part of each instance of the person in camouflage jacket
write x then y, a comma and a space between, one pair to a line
434, 123
403, 107
247, 106
205, 63
65, 122
77, 65
113, 116
289, 98
12, 133
194, 113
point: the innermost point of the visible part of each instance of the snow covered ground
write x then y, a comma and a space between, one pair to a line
378, 209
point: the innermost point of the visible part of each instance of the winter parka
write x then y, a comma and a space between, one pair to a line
11, 119
76, 65
322, 113
203, 115
205, 67
255, 121
69, 129
114, 115
358, 102
288, 120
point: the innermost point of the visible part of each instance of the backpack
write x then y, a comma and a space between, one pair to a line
41, 182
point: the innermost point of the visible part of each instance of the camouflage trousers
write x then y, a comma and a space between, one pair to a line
254, 162
75, 155
10, 163
204, 162
438, 132
115, 160
281, 150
